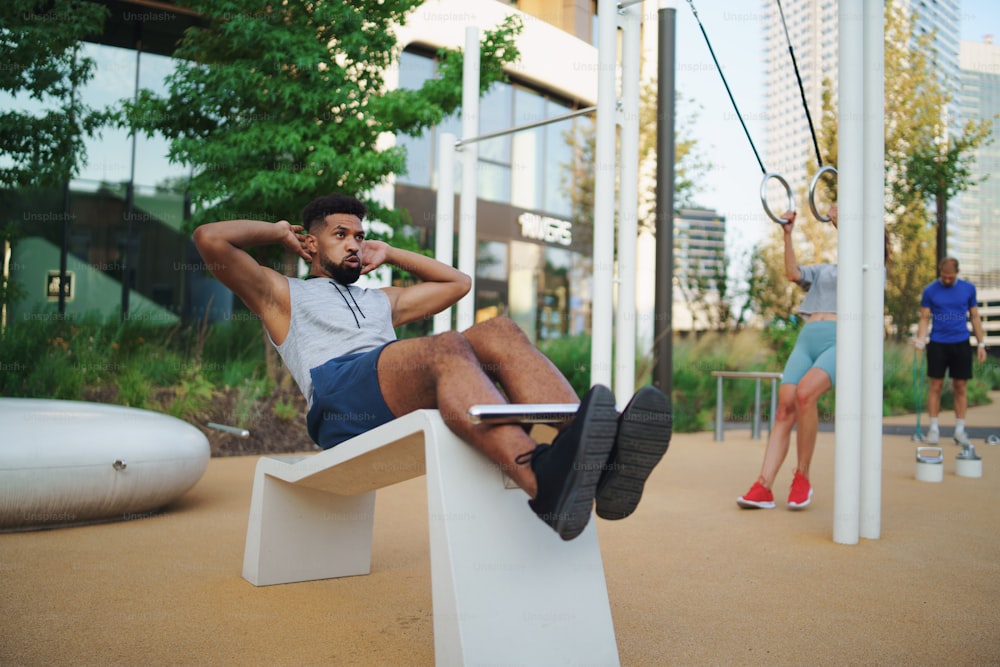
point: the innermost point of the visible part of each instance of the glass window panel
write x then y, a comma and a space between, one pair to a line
491, 264
528, 151
109, 156
522, 280
418, 160
494, 115
558, 160
152, 166
452, 124
414, 69
494, 182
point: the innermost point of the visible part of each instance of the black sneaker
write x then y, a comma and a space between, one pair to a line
569, 469
644, 430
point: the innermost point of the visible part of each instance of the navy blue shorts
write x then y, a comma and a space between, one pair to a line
347, 400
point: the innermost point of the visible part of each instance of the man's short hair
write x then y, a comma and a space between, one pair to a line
946, 261
316, 211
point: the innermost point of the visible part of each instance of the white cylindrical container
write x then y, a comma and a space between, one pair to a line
930, 464
968, 463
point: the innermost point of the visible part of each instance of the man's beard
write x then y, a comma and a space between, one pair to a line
345, 275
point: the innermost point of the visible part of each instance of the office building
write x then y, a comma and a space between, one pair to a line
814, 34
979, 237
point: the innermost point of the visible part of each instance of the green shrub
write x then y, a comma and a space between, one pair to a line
286, 411
140, 360
192, 395
249, 392
571, 355
134, 388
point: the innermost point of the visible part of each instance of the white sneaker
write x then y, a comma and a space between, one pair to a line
933, 435
961, 438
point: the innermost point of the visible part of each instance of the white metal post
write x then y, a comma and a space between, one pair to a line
874, 274
850, 172
444, 224
604, 195
470, 192
628, 208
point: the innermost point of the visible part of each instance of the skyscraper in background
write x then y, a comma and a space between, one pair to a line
814, 35
979, 235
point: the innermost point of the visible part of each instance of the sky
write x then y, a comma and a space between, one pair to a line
734, 28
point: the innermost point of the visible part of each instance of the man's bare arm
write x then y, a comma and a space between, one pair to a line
922, 326
441, 285
222, 245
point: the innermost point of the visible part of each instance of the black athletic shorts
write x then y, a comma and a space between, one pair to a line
956, 358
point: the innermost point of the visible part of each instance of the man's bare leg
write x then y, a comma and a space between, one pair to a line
960, 389
442, 372
528, 376
934, 388
511, 359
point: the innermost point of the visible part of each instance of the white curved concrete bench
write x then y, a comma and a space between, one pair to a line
505, 588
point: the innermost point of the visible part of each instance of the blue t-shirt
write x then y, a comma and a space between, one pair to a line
949, 310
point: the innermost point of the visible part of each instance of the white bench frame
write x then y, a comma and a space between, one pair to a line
505, 588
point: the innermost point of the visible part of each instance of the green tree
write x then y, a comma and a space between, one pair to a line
274, 104
689, 164
271, 105
942, 169
42, 145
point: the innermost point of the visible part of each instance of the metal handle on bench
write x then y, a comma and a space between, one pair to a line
522, 413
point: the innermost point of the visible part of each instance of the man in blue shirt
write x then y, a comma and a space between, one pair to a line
945, 305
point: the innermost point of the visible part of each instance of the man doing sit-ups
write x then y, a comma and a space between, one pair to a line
337, 340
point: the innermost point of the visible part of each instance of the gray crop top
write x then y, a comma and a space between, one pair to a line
820, 283
330, 320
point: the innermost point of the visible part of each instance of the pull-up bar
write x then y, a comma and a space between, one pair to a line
526, 126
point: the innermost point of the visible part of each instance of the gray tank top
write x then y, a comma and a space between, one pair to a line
330, 320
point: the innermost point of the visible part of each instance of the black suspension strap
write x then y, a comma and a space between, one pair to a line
767, 175
802, 90
812, 130
731, 99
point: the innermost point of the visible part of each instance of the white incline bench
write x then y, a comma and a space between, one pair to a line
505, 588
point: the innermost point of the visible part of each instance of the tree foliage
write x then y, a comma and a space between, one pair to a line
689, 164
274, 104
42, 145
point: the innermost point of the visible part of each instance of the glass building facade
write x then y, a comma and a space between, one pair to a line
120, 228
533, 254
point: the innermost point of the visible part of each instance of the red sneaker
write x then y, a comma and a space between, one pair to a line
757, 497
801, 493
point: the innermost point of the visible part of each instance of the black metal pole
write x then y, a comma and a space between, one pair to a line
127, 259
665, 156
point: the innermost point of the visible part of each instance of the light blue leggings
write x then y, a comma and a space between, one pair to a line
816, 347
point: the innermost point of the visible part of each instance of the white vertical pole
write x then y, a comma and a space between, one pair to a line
604, 194
470, 158
874, 274
444, 225
628, 207
850, 171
